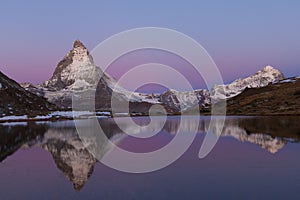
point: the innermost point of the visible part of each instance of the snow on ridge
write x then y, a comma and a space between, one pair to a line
77, 64
185, 100
260, 79
287, 80
188, 99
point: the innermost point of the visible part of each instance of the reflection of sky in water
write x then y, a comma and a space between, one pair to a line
233, 169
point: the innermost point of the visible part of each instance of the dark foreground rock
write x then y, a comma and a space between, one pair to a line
15, 100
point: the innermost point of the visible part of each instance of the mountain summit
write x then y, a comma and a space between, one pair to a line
77, 73
260, 79
76, 65
78, 44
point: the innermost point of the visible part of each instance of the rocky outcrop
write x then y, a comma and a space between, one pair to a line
181, 101
15, 100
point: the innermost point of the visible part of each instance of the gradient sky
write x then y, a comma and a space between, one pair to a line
242, 37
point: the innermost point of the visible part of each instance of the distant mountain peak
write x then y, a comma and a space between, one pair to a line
269, 68
269, 71
260, 79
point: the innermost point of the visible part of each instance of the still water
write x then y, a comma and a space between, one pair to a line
255, 158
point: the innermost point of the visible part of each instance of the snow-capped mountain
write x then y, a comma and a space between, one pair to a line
75, 71
260, 79
78, 73
189, 99
15, 100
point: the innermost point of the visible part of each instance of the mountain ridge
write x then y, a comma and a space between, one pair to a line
78, 61
77, 74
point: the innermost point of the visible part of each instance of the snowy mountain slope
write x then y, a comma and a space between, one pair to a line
260, 79
190, 99
77, 64
181, 101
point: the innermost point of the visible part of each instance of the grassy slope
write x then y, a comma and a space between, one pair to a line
274, 99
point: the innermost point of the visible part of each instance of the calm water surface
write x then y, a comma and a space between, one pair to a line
255, 158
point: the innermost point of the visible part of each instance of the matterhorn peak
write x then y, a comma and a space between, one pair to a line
80, 54
77, 64
78, 44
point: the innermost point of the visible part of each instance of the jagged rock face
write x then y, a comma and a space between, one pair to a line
77, 74
15, 100
181, 101
261, 79
76, 70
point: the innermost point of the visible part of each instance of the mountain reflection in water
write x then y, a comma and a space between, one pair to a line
77, 163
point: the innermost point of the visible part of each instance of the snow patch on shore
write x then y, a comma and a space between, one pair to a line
57, 114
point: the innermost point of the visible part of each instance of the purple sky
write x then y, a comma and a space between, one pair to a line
242, 37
